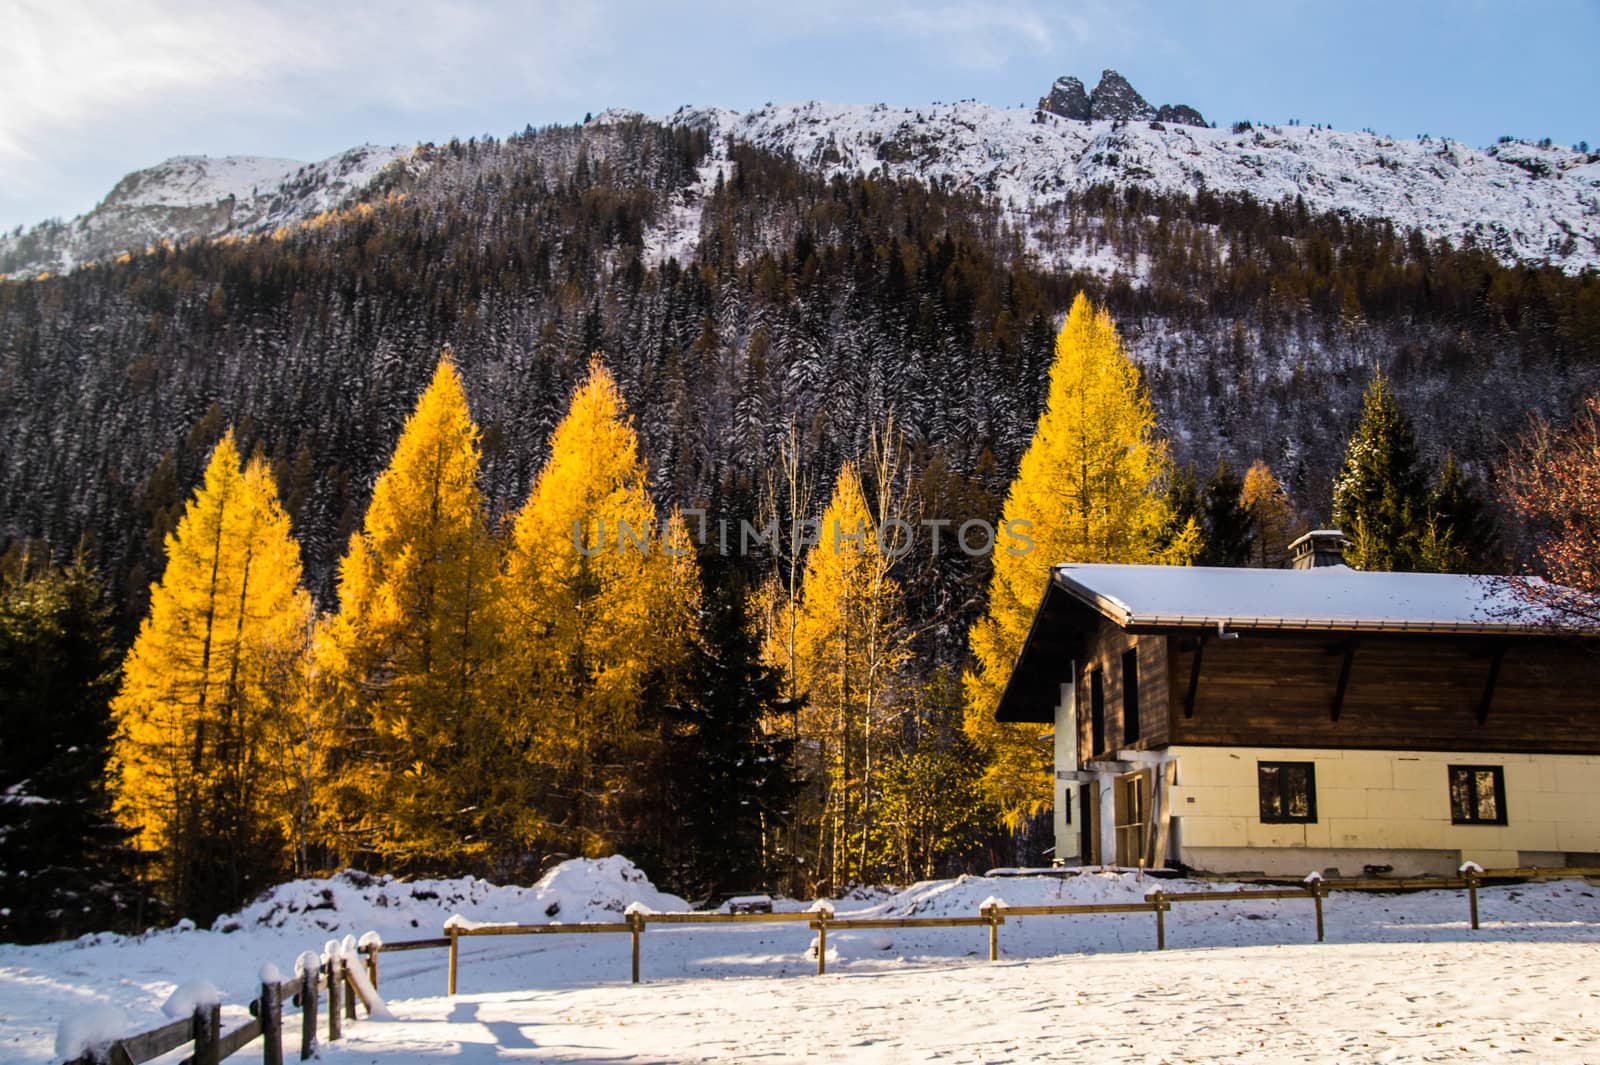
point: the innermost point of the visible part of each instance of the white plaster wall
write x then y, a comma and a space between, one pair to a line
1369, 802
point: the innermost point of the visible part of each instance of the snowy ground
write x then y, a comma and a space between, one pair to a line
1337, 1003
1402, 978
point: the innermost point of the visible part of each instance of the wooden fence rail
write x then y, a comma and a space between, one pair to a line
211, 1044
1158, 902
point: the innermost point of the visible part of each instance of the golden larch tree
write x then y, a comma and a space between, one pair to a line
1091, 488
417, 760
850, 647
599, 603
1271, 516
204, 714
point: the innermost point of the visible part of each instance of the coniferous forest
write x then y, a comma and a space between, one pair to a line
290, 570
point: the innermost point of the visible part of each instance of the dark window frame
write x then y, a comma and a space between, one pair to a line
1467, 814
1097, 713
1284, 794
1130, 696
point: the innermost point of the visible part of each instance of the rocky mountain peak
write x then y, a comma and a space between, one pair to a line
1112, 99
1067, 98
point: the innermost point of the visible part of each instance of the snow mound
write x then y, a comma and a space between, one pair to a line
599, 889
966, 896
580, 890
189, 996
89, 1029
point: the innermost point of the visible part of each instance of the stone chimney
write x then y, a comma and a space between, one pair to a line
1317, 548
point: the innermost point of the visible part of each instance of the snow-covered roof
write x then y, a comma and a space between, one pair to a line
1325, 597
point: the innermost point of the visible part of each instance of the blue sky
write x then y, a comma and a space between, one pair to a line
92, 90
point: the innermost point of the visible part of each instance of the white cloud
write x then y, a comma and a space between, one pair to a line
90, 89
63, 65
66, 65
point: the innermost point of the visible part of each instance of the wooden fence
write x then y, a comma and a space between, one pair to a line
992, 916
212, 1044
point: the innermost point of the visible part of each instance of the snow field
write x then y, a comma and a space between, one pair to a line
1240, 979
1340, 1003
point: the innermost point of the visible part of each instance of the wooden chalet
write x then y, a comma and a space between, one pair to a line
1313, 718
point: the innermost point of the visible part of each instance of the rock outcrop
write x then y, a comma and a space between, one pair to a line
1068, 99
1180, 115
1113, 99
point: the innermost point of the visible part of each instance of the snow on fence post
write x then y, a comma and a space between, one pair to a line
330, 961
452, 928
269, 1011
1471, 871
635, 915
992, 911
1319, 891
207, 1030
347, 959
370, 944
308, 965
824, 911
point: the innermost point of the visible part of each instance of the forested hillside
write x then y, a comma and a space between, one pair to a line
820, 346
822, 303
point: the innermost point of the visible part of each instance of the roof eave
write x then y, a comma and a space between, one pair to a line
1183, 621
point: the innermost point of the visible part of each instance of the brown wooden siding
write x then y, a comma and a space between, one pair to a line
1105, 654
1419, 692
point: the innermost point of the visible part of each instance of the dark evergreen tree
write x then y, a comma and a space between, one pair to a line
725, 782
67, 867
1459, 536
1380, 497
1224, 521
1185, 504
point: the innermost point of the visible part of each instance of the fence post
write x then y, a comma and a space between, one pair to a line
635, 926
269, 1010
333, 997
1319, 891
1472, 894
308, 1013
822, 942
991, 913
1159, 898
372, 964
207, 1030
455, 954
349, 989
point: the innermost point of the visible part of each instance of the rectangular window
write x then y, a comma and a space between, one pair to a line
1288, 792
1477, 795
1130, 696
1097, 713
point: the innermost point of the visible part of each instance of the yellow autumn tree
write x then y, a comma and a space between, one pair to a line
418, 762
204, 715
599, 603
850, 644
1272, 519
1091, 489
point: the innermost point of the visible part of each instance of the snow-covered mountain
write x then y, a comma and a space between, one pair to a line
1527, 202
192, 196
